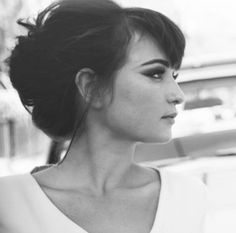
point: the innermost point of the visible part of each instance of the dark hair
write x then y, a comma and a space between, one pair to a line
73, 34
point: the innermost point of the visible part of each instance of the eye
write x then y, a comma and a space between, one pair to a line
155, 74
175, 74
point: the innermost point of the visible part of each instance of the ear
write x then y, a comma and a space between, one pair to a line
84, 80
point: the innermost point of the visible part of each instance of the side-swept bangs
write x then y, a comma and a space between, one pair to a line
164, 31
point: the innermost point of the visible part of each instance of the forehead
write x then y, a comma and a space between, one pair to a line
143, 48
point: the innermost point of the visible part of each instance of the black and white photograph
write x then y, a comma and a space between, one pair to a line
117, 116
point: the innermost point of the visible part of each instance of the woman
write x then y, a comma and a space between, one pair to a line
104, 77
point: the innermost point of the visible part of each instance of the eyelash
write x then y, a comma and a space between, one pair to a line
175, 75
160, 72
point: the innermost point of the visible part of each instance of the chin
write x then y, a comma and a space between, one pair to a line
165, 137
156, 140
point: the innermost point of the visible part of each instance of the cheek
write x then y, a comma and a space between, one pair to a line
137, 106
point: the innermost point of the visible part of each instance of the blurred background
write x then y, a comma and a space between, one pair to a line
204, 135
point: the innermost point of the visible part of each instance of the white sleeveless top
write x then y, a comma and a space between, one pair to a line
25, 208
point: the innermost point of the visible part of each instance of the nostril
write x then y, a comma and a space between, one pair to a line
176, 100
176, 95
180, 100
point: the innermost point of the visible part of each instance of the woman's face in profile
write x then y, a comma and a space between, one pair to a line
144, 91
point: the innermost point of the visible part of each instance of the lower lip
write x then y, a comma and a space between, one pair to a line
171, 120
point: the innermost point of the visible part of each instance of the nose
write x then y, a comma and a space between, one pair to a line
176, 95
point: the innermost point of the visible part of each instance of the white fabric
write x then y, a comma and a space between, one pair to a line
25, 208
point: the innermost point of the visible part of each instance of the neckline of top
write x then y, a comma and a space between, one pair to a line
157, 219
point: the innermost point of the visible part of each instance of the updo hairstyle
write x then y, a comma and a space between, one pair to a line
73, 34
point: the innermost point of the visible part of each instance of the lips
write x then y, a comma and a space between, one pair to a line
171, 115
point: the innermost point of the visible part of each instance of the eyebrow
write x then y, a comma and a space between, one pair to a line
153, 61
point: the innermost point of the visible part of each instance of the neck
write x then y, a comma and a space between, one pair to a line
101, 162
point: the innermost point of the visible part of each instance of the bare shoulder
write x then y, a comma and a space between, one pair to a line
41, 168
46, 177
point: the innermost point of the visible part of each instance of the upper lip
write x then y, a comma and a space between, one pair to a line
174, 114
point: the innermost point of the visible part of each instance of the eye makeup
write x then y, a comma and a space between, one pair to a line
155, 73
158, 72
